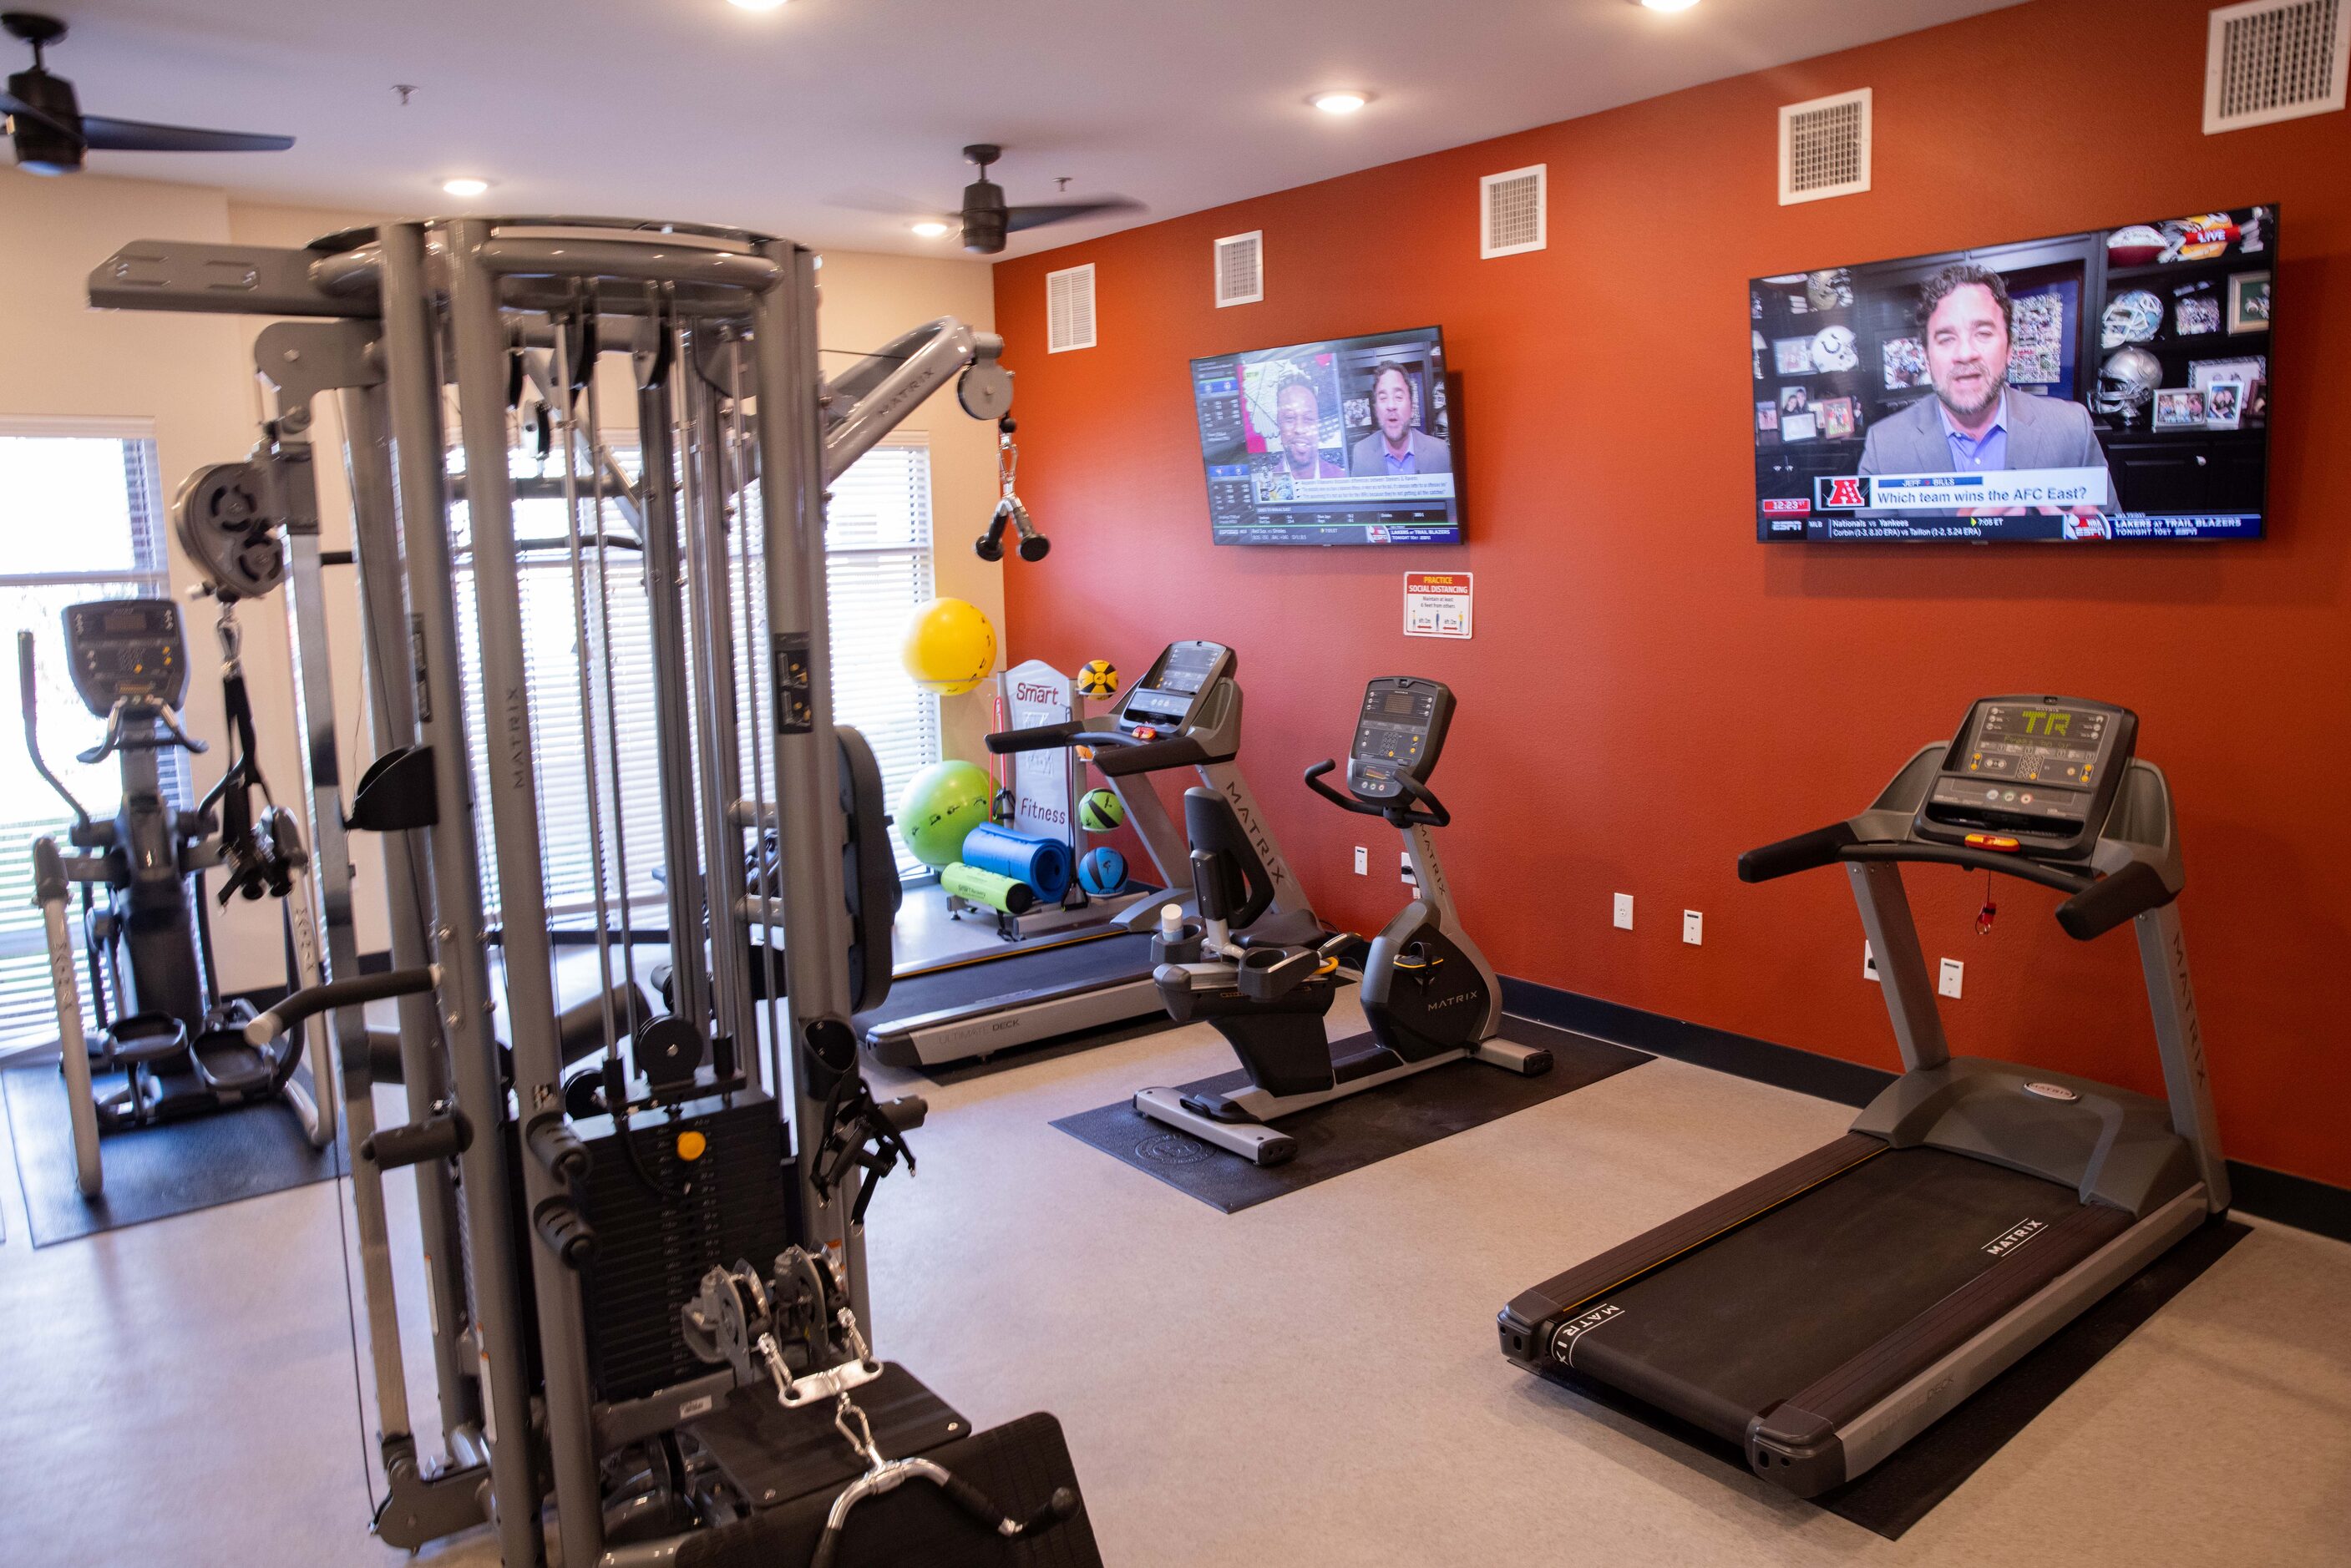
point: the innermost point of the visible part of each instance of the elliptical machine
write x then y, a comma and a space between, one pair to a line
181, 1048
1428, 994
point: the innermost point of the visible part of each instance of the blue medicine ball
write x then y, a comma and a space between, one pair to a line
1102, 870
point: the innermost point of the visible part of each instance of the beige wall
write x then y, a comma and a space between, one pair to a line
191, 377
868, 300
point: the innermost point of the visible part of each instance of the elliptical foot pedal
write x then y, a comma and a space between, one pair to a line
1253, 1140
145, 1037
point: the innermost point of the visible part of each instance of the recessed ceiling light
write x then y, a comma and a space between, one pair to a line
465, 185
1649, 5
756, 4
929, 228
1340, 102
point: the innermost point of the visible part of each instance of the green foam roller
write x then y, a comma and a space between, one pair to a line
975, 886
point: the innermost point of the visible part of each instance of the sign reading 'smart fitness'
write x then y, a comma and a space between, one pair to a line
2062, 489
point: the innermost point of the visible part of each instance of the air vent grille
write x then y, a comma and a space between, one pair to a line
1511, 214
1069, 308
2275, 60
1240, 269
1824, 148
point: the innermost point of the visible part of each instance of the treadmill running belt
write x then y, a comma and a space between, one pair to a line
1020, 975
1760, 1312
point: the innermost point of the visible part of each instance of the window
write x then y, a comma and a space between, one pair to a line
80, 508
879, 569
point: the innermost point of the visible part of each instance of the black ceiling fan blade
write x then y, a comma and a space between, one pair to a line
13, 106
106, 135
1031, 217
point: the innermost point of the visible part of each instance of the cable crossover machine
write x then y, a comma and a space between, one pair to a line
643, 1231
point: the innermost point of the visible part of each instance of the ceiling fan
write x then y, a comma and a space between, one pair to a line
50, 133
987, 218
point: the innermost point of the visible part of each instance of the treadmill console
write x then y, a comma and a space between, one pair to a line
2032, 775
119, 648
1401, 729
1171, 691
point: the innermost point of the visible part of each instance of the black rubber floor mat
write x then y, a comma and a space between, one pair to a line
1360, 1130
1905, 1487
154, 1172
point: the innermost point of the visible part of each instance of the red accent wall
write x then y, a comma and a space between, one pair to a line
1650, 691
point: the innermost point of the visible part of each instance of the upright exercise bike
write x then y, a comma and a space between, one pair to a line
179, 1046
1428, 994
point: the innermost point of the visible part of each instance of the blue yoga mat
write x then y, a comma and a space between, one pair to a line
1043, 863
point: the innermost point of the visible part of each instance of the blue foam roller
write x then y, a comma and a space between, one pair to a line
1043, 863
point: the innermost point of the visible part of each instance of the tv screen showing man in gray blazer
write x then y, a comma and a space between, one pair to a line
1976, 422
1396, 445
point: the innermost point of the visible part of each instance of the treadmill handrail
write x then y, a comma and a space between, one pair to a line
2021, 866
1133, 756
1037, 737
2113, 900
1116, 753
2099, 904
1804, 852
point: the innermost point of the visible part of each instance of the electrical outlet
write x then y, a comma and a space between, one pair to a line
1953, 971
1404, 857
1624, 911
1362, 861
1868, 964
1693, 927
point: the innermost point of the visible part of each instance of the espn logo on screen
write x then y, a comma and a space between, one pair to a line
1847, 495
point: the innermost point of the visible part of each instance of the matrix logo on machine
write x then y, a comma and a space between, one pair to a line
1563, 1343
2000, 1247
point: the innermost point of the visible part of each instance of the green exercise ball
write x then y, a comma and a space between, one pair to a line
942, 804
1099, 810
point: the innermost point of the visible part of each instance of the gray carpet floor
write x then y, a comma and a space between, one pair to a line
1312, 1381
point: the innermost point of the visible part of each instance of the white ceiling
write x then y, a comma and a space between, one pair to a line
794, 121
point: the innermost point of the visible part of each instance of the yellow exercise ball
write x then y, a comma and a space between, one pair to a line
949, 647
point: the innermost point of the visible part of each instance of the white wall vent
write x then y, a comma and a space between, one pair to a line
1069, 308
2274, 59
1824, 148
1240, 269
1511, 211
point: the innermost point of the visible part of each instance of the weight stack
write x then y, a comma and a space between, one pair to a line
653, 1250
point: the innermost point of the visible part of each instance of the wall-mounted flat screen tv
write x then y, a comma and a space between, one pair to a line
1347, 441
2099, 386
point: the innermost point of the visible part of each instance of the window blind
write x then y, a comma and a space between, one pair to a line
879, 568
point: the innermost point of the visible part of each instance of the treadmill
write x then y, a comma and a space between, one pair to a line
1823, 1315
1185, 712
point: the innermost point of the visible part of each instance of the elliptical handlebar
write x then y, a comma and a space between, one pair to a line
117, 737
1425, 810
28, 687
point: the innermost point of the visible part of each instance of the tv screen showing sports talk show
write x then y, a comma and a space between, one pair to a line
2103, 385
1345, 441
